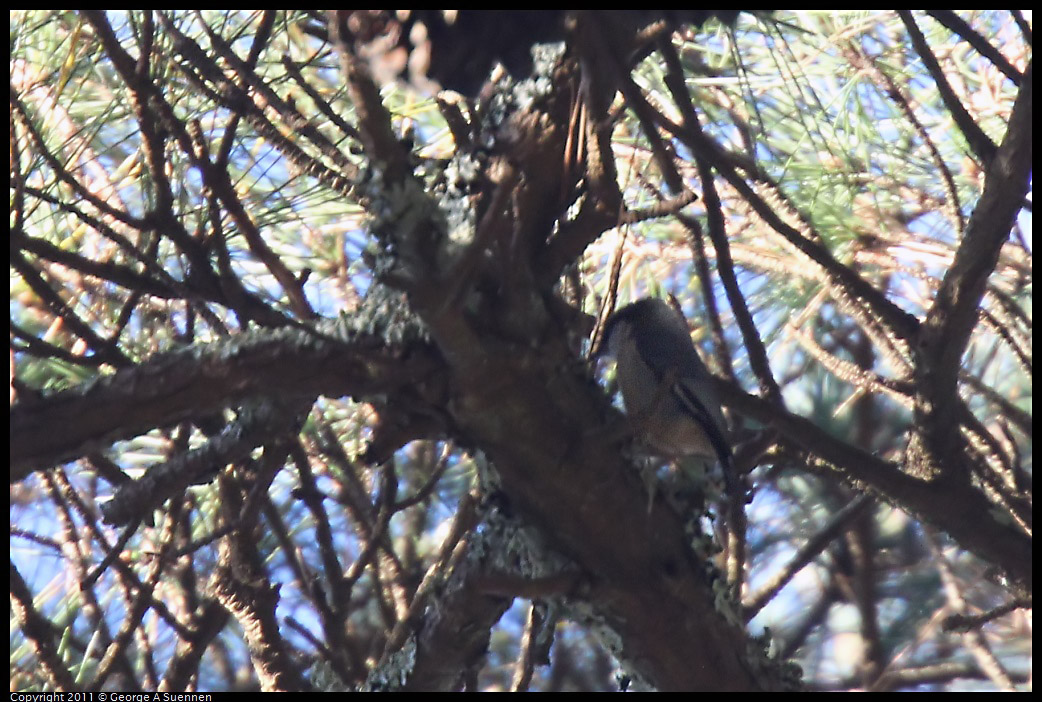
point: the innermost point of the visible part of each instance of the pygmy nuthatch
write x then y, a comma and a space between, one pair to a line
665, 386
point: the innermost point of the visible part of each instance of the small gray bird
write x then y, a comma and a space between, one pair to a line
665, 384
